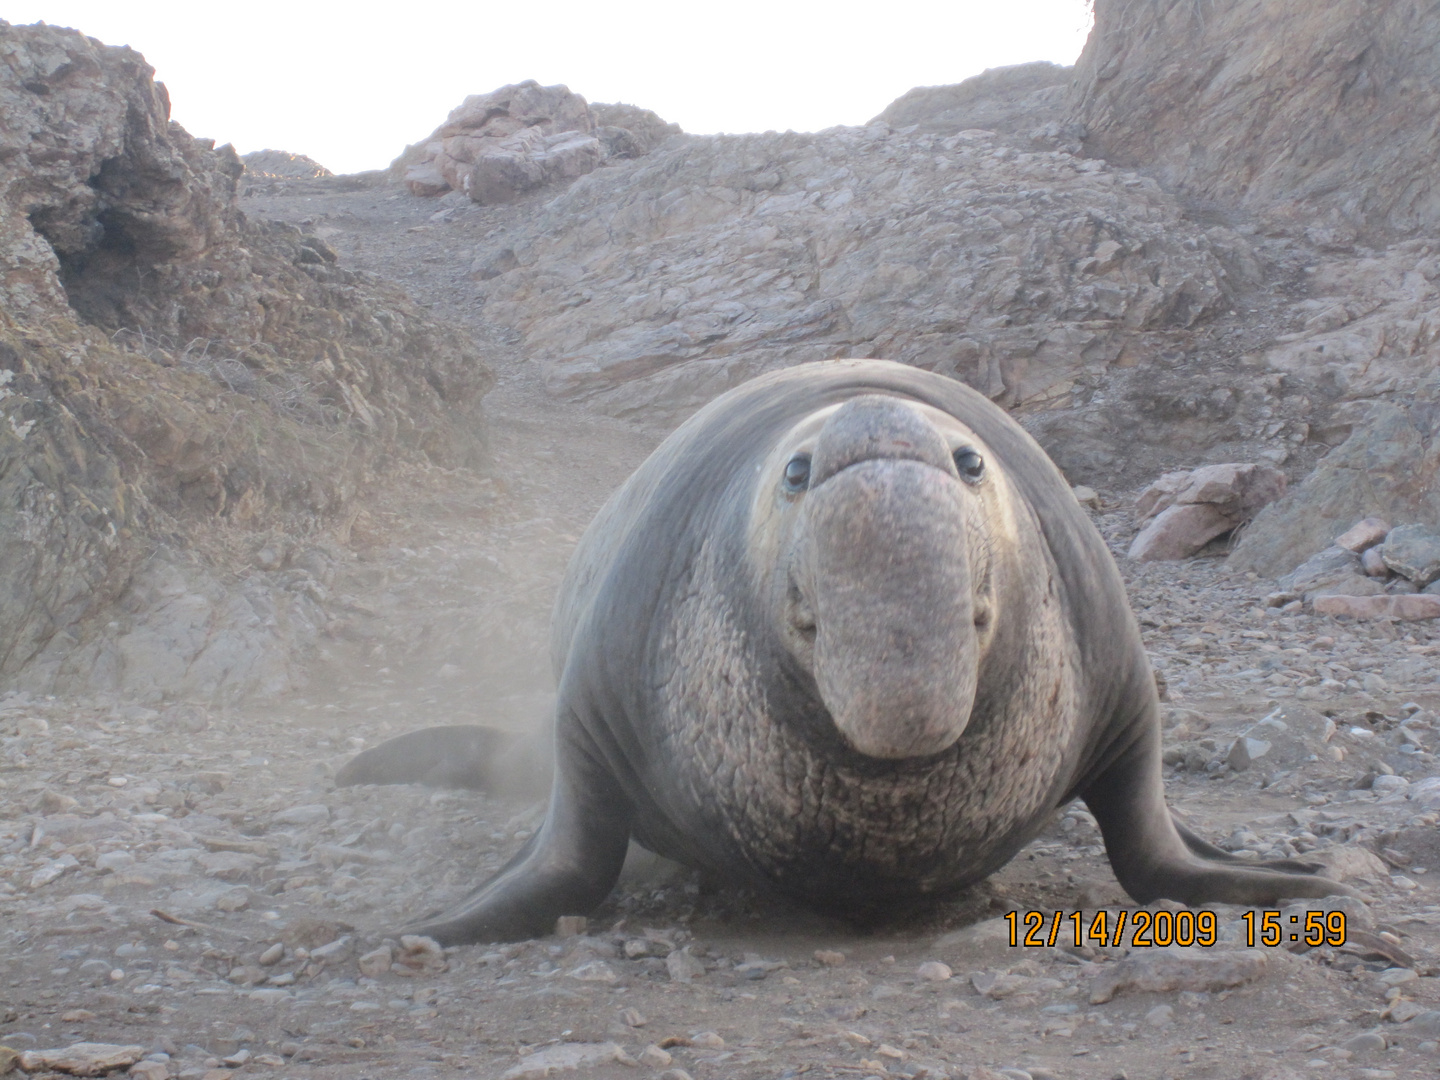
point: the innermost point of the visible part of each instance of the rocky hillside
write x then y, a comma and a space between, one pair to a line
1041, 233
1319, 116
1155, 262
176, 385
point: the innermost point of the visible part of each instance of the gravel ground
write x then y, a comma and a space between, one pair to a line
189, 883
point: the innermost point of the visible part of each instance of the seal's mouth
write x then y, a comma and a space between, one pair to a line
881, 604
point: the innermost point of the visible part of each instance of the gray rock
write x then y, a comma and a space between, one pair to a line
1413, 552
1333, 570
1383, 469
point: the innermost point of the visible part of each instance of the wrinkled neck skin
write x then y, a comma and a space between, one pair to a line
884, 582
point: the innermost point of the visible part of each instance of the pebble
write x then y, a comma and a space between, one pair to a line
829, 957
1366, 1043
656, 1058
707, 1040
1161, 1016
562, 1058
376, 962
934, 971
683, 967
273, 955
312, 814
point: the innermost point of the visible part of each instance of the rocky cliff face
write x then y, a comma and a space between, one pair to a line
1321, 116
653, 285
167, 367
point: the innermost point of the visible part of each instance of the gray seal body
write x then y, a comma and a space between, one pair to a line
848, 634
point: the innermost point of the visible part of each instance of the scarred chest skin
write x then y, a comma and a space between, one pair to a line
753, 768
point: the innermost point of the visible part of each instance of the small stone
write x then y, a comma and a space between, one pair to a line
150, 1070
335, 950
57, 802
676, 1074
934, 971
1160, 1016
1397, 976
633, 1017
312, 814
1086, 496
376, 962
111, 861
707, 1040
597, 971
1368, 1042
1413, 552
273, 955
32, 726
233, 900
656, 1058
237, 1059
1166, 971
1363, 535
562, 1058
683, 967
1373, 564
570, 925
829, 957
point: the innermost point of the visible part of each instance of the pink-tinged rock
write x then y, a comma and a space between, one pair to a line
82, 1059
1164, 971
1371, 561
1241, 488
1408, 606
1161, 494
1180, 531
1363, 534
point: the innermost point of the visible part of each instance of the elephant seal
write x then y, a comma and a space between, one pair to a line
846, 633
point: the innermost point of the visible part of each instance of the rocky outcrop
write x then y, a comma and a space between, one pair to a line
279, 165
652, 285
169, 371
495, 147
1017, 100
1388, 467
1318, 115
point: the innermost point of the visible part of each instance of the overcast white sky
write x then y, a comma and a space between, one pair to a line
351, 83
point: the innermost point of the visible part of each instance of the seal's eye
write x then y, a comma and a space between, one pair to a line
970, 464
797, 473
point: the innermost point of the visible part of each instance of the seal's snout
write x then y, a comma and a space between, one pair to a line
887, 593
875, 428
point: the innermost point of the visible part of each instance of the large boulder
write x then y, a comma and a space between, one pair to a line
498, 146
1184, 511
168, 371
1322, 114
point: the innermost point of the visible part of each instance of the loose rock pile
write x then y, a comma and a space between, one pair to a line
1371, 571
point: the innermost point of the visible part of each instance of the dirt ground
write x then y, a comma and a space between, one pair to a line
190, 882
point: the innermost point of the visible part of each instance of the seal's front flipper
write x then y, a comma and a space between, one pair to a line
457, 756
1155, 859
567, 868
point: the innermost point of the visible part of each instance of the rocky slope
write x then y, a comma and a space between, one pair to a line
1320, 116
176, 383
